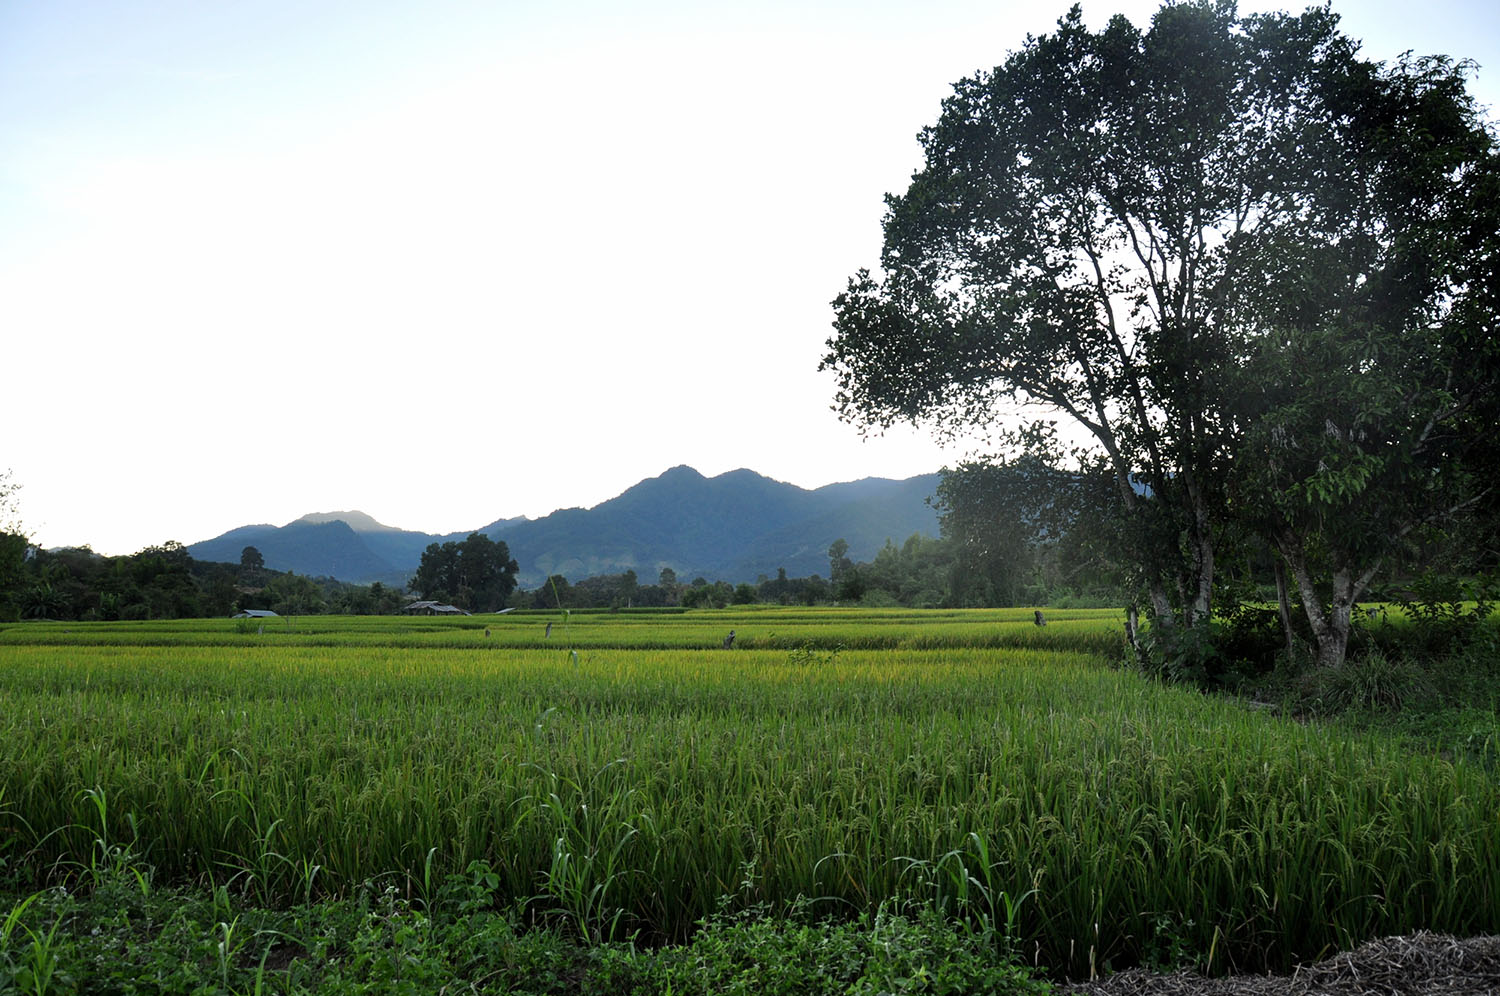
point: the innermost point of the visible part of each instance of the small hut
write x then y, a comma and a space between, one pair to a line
428, 608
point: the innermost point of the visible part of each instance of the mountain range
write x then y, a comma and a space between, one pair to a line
733, 527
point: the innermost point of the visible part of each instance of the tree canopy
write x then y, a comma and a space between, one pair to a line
13, 547
1376, 359
477, 574
1137, 228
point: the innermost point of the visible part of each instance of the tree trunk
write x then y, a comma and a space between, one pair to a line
1201, 549
1284, 605
1190, 577
1330, 625
1201, 606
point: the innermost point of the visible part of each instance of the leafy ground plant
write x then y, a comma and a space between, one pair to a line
376, 943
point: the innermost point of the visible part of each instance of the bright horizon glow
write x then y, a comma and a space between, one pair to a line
454, 262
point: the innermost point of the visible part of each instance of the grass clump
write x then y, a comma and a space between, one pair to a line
1376, 682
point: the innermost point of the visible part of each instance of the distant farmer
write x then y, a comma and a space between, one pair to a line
1040, 620
729, 640
548, 634
486, 632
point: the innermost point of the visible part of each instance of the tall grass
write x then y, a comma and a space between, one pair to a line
1100, 817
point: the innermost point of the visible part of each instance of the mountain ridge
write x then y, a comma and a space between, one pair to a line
734, 526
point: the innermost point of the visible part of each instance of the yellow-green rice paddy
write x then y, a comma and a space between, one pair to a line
627, 774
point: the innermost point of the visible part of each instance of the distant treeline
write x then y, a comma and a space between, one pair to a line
1010, 537
1012, 534
165, 582
921, 572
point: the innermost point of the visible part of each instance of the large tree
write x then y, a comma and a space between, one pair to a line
1080, 239
1372, 386
477, 574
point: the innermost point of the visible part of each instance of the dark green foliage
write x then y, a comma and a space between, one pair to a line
156, 583
1177, 654
783, 590
1026, 531
1374, 682
1258, 271
14, 547
1065, 243
294, 595
13, 550
922, 572
477, 574
164, 582
1379, 347
754, 953
603, 591
703, 595
852, 586
363, 600
918, 573
1002, 521
1450, 613
839, 563
554, 593
124, 937
609, 591
993, 515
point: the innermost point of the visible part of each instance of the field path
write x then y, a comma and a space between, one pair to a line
1419, 964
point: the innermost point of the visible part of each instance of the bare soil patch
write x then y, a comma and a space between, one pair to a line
1419, 964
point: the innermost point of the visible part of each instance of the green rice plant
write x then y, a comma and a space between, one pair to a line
13, 920
1084, 630
593, 851
13, 965
228, 947
33, 972
1034, 795
963, 884
262, 869
111, 861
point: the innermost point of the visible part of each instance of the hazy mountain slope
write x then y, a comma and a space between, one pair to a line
329, 549
227, 548
356, 520
878, 510
399, 549
680, 518
734, 526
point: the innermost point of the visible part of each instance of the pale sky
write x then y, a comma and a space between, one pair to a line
448, 262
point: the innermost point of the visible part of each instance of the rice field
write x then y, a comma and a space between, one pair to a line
626, 776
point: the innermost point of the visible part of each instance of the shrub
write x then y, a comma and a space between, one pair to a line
1377, 682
